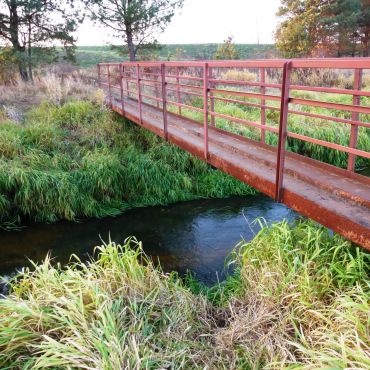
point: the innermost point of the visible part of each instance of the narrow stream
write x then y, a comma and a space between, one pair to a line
195, 235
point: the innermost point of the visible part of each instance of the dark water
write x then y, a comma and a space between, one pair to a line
195, 235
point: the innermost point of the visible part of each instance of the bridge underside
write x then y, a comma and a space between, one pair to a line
336, 198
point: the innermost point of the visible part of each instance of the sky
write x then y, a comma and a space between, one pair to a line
206, 21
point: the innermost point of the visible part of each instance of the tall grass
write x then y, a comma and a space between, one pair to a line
79, 160
118, 312
299, 299
56, 85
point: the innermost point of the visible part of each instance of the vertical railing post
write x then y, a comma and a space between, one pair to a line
127, 82
263, 103
99, 75
178, 88
109, 87
355, 117
164, 100
284, 104
205, 109
156, 90
139, 93
212, 100
121, 86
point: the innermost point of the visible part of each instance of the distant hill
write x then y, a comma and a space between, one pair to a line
90, 55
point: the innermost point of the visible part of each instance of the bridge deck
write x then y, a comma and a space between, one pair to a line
336, 198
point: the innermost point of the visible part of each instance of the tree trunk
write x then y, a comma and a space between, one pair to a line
14, 38
366, 44
129, 36
130, 46
29, 60
23, 71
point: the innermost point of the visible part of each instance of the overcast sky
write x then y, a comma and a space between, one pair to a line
207, 21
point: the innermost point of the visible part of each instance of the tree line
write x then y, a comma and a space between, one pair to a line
323, 28
31, 29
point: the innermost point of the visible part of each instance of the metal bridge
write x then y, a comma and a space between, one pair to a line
283, 125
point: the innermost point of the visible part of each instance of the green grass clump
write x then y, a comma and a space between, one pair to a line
81, 160
118, 312
299, 299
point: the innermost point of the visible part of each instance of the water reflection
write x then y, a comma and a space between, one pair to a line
195, 235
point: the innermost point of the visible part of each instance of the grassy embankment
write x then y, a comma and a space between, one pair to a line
299, 300
77, 159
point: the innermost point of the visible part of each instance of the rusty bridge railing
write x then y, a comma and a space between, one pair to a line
276, 89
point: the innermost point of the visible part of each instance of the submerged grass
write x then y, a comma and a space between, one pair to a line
299, 299
81, 160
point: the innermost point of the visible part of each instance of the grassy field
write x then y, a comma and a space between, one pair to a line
298, 300
88, 56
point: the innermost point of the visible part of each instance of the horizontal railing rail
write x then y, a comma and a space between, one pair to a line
267, 94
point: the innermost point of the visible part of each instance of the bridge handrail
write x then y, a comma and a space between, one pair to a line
172, 80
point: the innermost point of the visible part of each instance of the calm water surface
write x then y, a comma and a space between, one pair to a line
195, 235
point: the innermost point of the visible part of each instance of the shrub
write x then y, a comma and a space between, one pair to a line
237, 75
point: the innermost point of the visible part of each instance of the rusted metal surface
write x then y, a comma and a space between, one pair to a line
263, 102
164, 101
139, 100
205, 109
355, 117
283, 121
337, 198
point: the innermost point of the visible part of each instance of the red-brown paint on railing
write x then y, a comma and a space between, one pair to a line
205, 109
263, 102
194, 81
109, 85
282, 131
178, 88
355, 117
139, 93
121, 69
214, 87
164, 101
